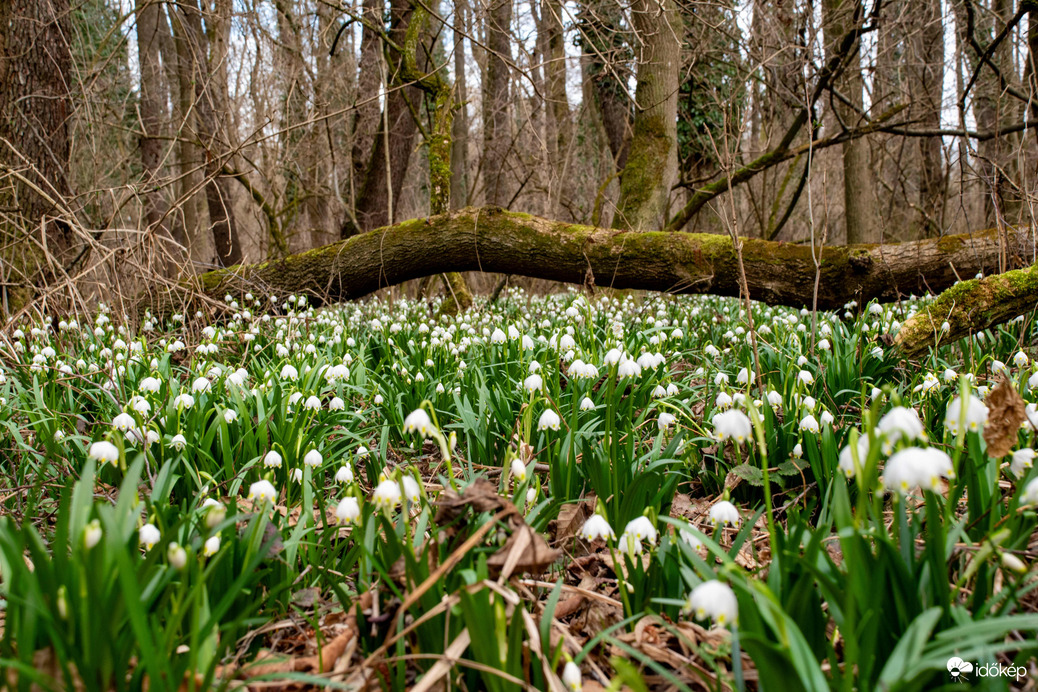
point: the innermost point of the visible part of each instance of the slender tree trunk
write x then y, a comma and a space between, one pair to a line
652, 165
367, 118
859, 195
460, 130
605, 57
35, 107
557, 111
497, 130
214, 147
926, 76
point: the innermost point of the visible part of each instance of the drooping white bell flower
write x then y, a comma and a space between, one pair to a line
715, 600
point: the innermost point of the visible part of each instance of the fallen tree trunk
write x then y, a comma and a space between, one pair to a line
493, 240
969, 307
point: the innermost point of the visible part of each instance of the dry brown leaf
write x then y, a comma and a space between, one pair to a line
524, 551
1006, 413
571, 519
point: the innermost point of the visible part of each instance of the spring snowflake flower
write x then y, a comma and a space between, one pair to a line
774, 399
1023, 459
215, 512
498, 337
827, 418
586, 404
103, 452
847, 458
336, 404
533, 383
124, 422
571, 677
665, 420
723, 401
549, 420
916, 467
806, 377
230, 415
177, 556
150, 385
724, 513
418, 421
976, 415
715, 600
597, 527
387, 494
348, 511
691, 539
798, 450
809, 424
629, 544
178, 442
312, 403
201, 385
261, 491
211, 546
313, 458
184, 401
272, 460
998, 367
288, 372
1021, 359
901, 422
92, 534
1030, 494
628, 368
344, 474
148, 535
518, 470
733, 425
642, 529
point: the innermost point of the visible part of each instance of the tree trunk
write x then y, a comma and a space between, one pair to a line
925, 81
460, 129
557, 111
494, 240
213, 146
859, 193
605, 58
652, 164
152, 116
497, 130
35, 108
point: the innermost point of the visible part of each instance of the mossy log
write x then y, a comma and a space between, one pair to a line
969, 307
493, 240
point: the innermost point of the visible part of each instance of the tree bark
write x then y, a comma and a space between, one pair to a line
460, 127
859, 194
494, 240
35, 108
652, 163
497, 130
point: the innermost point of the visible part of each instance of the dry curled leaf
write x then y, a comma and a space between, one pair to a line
1006, 413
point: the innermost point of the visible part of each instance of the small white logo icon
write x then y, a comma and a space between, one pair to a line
959, 668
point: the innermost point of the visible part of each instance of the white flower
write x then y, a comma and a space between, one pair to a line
586, 404
498, 337
148, 536
263, 490
297, 475
847, 458
103, 452
344, 474
665, 420
571, 677
629, 544
177, 556
211, 546
412, 491
1023, 459
549, 420
418, 421
774, 399
976, 415
901, 422
691, 539
336, 404
916, 467
533, 383
597, 527
745, 376
378, 400
1020, 360
642, 529
518, 470
178, 442
201, 386
272, 460
724, 513
806, 377
92, 534
150, 385
628, 368
230, 415
733, 425
723, 401
214, 512
809, 424
124, 422
184, 401
313, 458
998, 367
798, 450
312, 403
387, 494
1030, 494
826, 418
288, 372
715, 600
348, 511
